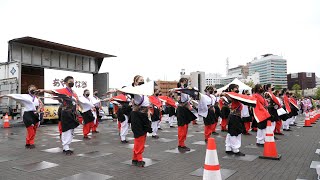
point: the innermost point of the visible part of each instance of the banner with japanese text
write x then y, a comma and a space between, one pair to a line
53, 79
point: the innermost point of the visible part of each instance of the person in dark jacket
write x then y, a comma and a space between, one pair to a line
140, 123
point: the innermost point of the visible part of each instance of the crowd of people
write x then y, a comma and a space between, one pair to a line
237, 112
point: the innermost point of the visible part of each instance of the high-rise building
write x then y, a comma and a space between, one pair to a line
213, 79
272, 69
239, 71
198, 80
306, 80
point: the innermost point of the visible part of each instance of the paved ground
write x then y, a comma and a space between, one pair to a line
297, 148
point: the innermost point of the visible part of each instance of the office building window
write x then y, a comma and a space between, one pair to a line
294, 75
309, 75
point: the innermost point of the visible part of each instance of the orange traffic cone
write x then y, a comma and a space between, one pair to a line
312, 118
270, 149
211, 170
6, 123
307, 122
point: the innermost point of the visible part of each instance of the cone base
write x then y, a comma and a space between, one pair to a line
307, 126
272, 158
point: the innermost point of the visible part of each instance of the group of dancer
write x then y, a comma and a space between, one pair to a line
143, 113
69, 118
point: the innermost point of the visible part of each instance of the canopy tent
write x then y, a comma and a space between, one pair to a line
236, 81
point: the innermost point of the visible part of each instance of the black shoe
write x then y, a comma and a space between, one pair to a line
239, 154
186, 148
69, 152
32, 146
183, 149
260, 145
172, 127
124, 142
140, 164
86, 138
229, 152
215, 133
155, 137
206, 141
134, 162
180, 148
160, 129
27, 146
95, 131
143, 162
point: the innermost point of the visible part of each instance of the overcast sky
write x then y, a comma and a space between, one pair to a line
157, 39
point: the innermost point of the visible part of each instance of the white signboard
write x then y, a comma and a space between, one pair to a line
53, 79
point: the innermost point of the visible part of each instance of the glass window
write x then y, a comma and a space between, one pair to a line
309, 75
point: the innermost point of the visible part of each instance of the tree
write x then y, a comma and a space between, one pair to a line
318, 93
250, 83
296, 88
278, 87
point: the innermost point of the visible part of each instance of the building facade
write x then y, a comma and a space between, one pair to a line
198, 80
255, 78
239, 71
272, 69
165, 86
306, 80
213, 79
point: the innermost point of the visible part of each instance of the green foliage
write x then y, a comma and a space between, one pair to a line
318, 93
296, 88
250, 84
278, 87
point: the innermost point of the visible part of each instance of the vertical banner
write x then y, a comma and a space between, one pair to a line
53, 79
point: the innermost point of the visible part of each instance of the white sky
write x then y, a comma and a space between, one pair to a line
157, 39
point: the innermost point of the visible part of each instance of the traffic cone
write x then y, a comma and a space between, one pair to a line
211, 170
312, 117
6, 123
270, 149
307, 122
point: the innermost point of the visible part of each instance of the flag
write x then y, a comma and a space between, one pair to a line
244, 99
168, 101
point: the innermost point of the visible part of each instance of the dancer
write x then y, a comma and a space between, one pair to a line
277, 129
155, 113
286, 106
235, 127
262, 125
140, 123
184, 116
97, 104
32, 106
87, 113
207, 111
225, 111
68, 112
245, 115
